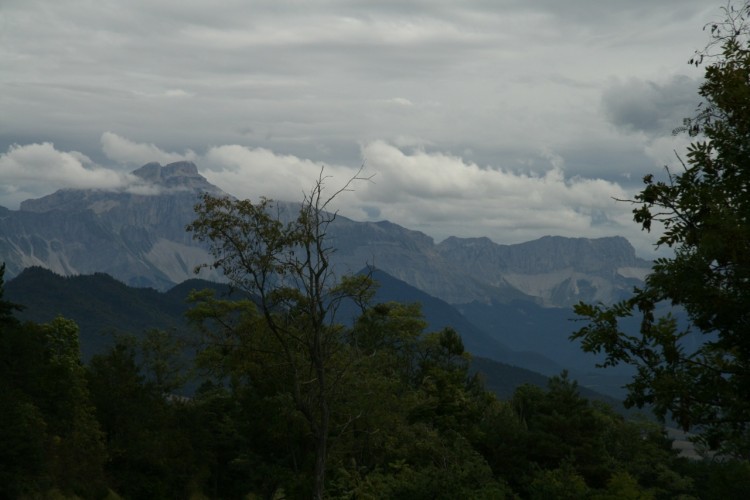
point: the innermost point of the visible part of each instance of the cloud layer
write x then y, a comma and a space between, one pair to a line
127, 152
30, 170
438, 193
474, 115
499, 79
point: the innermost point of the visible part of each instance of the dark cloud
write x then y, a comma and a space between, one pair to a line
650, 107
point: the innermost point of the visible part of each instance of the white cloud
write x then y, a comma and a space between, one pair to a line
317, 78
445, 195
666, 150
438, 193
37, 169
125, 151
253, 172
178, 93
400, 101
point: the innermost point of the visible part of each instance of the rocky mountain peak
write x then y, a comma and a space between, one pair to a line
154, 172
153, 179
181, 174
149, 172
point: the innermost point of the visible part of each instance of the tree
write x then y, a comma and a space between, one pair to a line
705, 213
283, 260
50, 436
147, 434
6, 308
420, 414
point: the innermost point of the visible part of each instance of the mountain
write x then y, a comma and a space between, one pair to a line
503, 379
439, 314
103, 306
558, 271
137, 235
551, 271
512, 302
99, 304
526, 326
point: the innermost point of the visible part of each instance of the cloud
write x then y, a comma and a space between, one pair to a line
253, 172
497, 78
36, 169
125, 151
268, 91
445, 195
178, 93
399, 101
438, 193
651, 107
667, 150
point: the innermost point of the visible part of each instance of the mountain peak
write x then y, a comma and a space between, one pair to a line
177, 174
152, 179
154, 172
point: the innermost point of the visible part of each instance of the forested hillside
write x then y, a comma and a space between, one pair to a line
407, 421
311, 382
104, 308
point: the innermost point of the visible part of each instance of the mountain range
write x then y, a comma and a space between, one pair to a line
138, 236
511, 303
104, 308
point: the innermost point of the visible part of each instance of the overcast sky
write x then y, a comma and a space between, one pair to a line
511, 119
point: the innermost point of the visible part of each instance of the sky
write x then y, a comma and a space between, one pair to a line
510, 119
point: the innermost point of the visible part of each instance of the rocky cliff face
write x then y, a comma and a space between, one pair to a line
557, 271
138, 236
551, 271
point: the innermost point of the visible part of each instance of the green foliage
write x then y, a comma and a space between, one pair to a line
7, 309
23, 454
418, 410
407, 420
563, 482
50, 436
402, 419
719, 479
705, 214
164, 360
150, 447
286, 266
622, 486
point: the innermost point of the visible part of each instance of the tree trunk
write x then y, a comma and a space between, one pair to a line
321, 450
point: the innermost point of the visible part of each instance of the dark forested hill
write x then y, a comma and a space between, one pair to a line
100, 304
439, 314
103, 306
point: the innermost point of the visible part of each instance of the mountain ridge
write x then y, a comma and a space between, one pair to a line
104, 307
137, 234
